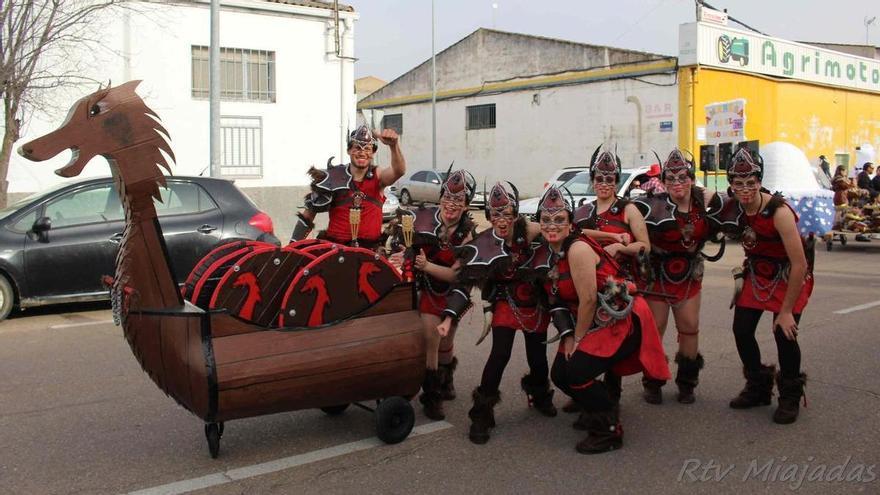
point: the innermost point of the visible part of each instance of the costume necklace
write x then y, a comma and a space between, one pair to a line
687, 231
553, 274
750, 238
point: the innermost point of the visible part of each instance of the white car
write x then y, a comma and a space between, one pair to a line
581, 188
562, 175
389, 207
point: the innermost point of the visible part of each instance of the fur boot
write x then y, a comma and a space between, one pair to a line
447, 387
604, 433
432, 403
758, 389
688, 376
790, 392
482, 415
539, 394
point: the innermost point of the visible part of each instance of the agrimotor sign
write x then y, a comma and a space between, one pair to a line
720, 46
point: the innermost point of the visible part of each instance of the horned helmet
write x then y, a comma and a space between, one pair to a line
500, 197
458, 185
743, 164
675, 163
363, 136
605, 163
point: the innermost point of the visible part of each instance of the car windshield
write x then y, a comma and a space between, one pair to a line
580, 184
14, 207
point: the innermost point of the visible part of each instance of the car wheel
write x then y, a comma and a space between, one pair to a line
7, 297
405, 198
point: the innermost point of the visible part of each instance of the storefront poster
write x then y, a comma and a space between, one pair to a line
726, 122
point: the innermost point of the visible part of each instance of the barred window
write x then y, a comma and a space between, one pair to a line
241, 147
245, 75
481, 117
393, 121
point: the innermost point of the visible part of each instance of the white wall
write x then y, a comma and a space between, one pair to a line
539, 131
300, 129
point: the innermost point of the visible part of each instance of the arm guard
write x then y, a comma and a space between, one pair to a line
457, 303
302, 229
563, 321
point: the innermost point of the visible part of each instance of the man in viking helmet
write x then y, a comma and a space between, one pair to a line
353, 193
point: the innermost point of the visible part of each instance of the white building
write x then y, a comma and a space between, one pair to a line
516, 107
287, 97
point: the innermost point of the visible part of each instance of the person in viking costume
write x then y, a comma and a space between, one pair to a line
352, 194
603, 323
618, 226
678, 229
437, 231
776, 276
498, 259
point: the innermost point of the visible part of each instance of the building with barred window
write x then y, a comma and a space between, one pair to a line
287, 91
517, 107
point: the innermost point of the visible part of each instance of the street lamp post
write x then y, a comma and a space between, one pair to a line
868, 23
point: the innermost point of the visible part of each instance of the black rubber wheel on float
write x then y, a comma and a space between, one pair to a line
7, 297
335, 410
829, 245
394, 420
213, 432
842, 240
405, 198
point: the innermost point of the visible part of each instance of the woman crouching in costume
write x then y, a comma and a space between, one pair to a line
777, 277
678, 228
603, 323
499, 259
618, 226
437, 232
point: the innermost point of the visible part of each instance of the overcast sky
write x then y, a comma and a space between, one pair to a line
393, 36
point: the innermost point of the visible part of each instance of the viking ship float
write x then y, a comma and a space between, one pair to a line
256, 328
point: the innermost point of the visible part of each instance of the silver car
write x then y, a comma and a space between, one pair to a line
422, 186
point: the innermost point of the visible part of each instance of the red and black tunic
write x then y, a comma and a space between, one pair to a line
612, 220
767, 266
371, 194
516, 299
676, 241
433, 291
604, 341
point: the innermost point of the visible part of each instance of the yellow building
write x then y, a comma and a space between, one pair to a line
738, 86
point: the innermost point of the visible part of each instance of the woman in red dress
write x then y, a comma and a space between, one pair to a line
438, 231
618, 226
777, 278
678, 228
498, 259
603, 323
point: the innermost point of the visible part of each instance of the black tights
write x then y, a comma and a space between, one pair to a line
502, 345
745, 324
577, 376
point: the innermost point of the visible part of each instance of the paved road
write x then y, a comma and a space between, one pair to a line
77, 415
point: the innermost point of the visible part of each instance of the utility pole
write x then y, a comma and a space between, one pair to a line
214, 96
433, 96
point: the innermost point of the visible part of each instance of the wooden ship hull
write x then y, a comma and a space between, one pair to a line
221, 368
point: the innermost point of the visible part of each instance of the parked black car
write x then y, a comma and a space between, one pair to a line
57, 244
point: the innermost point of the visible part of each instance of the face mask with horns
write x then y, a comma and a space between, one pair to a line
605, 163
500, 197
743, 164
458, 186
675, 163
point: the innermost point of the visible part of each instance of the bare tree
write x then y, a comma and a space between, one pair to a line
41, 42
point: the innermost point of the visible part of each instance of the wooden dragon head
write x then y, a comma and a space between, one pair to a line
115, 123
